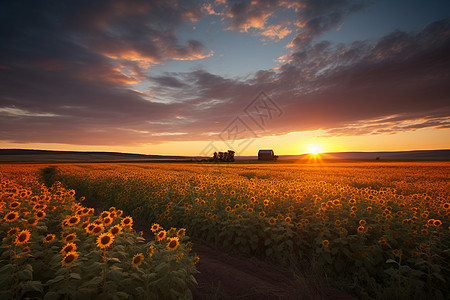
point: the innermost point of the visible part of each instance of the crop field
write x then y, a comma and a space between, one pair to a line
378, 230
55, 248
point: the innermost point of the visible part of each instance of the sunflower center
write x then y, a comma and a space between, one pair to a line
105, 240
22, 237
69, 258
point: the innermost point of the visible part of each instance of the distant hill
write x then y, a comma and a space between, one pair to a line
407, 155
23, 155
415, 155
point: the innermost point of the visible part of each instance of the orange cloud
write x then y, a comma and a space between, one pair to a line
276, 32
194, 56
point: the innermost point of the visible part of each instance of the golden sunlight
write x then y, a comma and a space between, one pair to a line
314, 149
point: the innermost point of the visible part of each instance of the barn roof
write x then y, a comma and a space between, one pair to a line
265, 151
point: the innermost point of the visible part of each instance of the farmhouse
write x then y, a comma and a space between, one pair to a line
266, 155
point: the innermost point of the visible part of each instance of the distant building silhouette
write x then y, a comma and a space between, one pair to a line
267, 155
223, 156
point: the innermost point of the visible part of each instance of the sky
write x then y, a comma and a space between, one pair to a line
193, 77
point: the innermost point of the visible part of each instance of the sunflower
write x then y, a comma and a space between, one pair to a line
22, 237
40, 214
14, 205
180, 256
155, 227
107, 221
173, 243
97, 229
361, 229
11, 216
70, 237
73, 220
272, 221
382, 241
262, 214
69, 258
89, 228
115, 230
326, 243
13, 230
104, 214
172, 231
84, 224
288, 220
362, 222
160, 235
181, 232
195, 260
137, 259
437, 223
128, 222
151, 250
68, 248
396, 252
48, 238
105, 240
32, 221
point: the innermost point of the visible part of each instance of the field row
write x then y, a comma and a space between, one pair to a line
385, 227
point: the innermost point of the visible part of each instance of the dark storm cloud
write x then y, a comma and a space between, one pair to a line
65, 66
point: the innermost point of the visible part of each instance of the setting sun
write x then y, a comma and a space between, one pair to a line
314, 149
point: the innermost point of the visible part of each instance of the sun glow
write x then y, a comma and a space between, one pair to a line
315, 149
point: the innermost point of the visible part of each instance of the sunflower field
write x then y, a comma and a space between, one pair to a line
52, 247
378, 230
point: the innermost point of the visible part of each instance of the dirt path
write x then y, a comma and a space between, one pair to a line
223, 276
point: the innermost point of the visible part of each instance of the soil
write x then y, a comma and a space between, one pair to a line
224, 276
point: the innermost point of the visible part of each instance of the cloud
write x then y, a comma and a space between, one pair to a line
266, 19
316, 17
394, 85
69, 70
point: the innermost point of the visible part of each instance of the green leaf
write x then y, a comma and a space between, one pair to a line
161, 266
75, 276
55, 280
25, 275
32, 286
115, 275
114, 259
389, 261
6, 268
